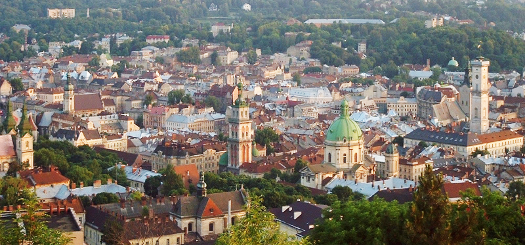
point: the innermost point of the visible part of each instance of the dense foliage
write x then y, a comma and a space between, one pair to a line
34, 230
429, 219
80, 164
257, 227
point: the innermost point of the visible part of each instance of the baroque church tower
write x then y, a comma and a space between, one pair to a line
24, 140
240, 134
69, 97
479, 107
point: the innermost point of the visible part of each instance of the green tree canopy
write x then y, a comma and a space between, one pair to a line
171, 182
258, 227
266, 136
104, 198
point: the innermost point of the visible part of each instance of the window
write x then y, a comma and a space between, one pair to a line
190, 226
157, 243
210, 228
355, 157
329, 157
178, 240
233, 221
344, 158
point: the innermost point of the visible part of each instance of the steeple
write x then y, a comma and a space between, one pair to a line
240, 102
9, 122
344, 109
24, 126
201, 186
466, 79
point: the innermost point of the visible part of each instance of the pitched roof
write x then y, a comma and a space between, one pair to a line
85, 102
190, 174
37, 177
299, 214
192, 206
208, 208
400, 195
453, 189
7, 149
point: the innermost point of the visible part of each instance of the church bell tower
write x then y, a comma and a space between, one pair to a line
479, 107
240, 134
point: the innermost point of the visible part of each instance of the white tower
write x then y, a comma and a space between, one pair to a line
479, 107
240, 134
69, 97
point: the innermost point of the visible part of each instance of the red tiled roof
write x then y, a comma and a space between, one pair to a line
190, 174
453, 189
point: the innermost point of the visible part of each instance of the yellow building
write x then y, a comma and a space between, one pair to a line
413, 169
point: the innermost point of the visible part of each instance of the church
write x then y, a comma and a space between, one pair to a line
343, 154
16, 141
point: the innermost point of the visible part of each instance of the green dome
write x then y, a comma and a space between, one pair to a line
344, 127
391, 149
453, 62
223, 160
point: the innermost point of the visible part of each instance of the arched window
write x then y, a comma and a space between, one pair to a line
190, 226
329, 157
355, 157
344, 158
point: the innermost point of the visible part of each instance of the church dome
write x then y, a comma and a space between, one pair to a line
223, 160
391, 149
344, 128
453, 62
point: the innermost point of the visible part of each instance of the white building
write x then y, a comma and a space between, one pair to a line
311, 95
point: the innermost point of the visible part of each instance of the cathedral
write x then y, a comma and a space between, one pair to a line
344, 146
16, 142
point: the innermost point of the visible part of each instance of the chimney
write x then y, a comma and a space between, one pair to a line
143, 201
116, 182
128, 189
73, 185
109, 181
229, 214
81, 185
410, 189
97, 183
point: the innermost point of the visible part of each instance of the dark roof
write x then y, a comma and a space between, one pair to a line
193, 206
67, 134
131, 159
430, 95
428, 135
309, 213
399, 195
96, 217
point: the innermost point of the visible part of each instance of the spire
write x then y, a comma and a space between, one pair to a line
201, 186
69, 86
24, 126
9, 122
466, 79
344, 109
240, 102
